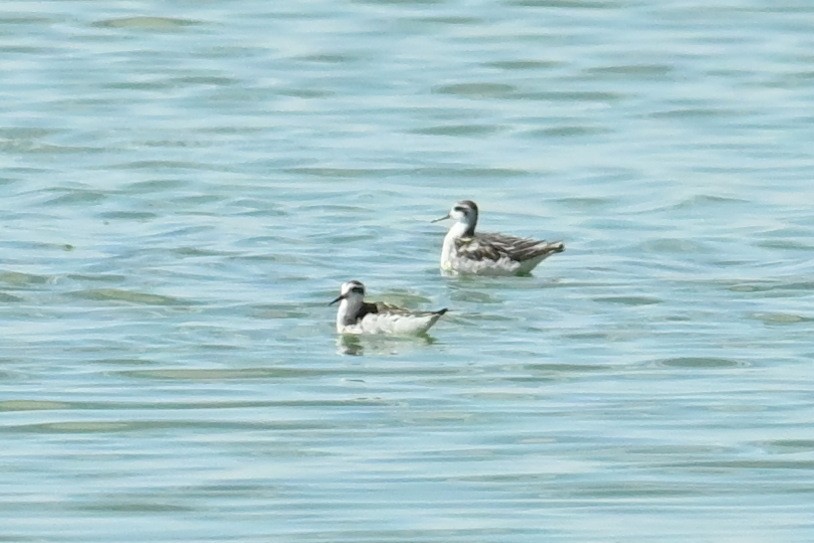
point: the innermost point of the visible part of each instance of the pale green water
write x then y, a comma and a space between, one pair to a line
185, 184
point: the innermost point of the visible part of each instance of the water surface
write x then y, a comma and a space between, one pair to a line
185, 185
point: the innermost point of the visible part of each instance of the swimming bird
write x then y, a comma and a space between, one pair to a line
467, 252
356, 316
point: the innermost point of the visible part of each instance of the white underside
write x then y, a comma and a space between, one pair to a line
390, 323
504, 266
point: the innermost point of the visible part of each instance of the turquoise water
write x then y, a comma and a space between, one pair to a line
186, 184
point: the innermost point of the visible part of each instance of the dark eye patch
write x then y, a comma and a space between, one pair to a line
459, 208
360, 290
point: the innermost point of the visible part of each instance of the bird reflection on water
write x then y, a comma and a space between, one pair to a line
356, 345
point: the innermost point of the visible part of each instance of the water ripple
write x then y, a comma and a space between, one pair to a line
477, 90
163, 24
129, 296
699, 363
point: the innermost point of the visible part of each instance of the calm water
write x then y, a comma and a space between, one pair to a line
185, 184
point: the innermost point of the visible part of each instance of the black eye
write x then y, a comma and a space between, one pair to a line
360, 290
459, 208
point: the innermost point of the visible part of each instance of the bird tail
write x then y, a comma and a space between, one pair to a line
555, 247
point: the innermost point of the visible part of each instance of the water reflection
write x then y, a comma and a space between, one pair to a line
349, 344
356, 345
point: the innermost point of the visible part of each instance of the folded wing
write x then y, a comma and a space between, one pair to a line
497, 246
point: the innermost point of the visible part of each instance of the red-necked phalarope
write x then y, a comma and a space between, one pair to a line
356, 316
465, 252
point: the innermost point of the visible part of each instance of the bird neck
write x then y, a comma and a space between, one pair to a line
461, 230
348, 311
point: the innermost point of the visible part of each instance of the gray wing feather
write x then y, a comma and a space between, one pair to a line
382, 307
497, 246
